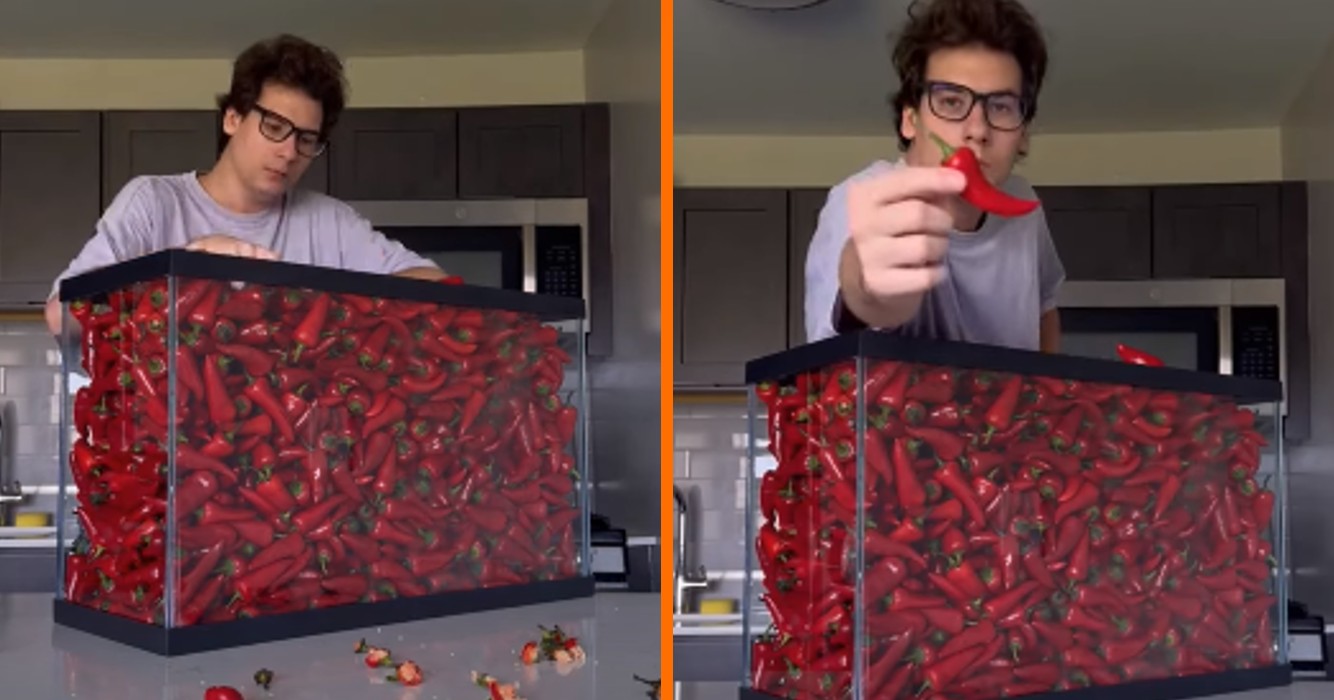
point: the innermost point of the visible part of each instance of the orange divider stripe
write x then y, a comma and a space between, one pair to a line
667, 316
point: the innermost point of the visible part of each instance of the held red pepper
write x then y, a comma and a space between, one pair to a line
978, 191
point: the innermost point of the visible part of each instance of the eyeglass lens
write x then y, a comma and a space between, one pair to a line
277, 128
1004, 111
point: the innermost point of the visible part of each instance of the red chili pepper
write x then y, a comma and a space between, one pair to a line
1001, 413
1084, 498
194, 461
979, 635
258, 392
1136, 356
1171, 485
1262, 505
978, 191
1003, 604
912, 496
220, 407
939, 675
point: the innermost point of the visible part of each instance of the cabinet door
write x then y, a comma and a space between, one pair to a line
804, 207
1101, 233
404, 154
316, 178
1215, 231
50, 197
731, 282
521, 152
160, 142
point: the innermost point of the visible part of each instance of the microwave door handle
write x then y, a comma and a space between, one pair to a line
530, 258
1225, 340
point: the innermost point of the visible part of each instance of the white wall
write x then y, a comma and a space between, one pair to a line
622, 68
1095, 159
434, 81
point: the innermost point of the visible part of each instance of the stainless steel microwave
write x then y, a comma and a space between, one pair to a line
1226, 326
532, 245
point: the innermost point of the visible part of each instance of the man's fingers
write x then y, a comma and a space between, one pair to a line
910, 216
911, 251
911, 183
903, 280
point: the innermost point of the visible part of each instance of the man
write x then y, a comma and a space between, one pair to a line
286, 96
897, 248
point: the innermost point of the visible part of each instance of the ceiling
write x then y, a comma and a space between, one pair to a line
1116, 66
175, 29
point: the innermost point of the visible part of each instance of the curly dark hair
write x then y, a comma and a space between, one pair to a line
1000, 25
294, 62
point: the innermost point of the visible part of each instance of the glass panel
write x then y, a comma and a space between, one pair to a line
245, 450
1017, 533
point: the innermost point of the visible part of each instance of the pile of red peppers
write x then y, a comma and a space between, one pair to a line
1022, 535
330, 449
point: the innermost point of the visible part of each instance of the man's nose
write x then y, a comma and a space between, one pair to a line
975, 125
287, 147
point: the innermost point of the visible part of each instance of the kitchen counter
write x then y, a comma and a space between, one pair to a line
619, 632
1298, 691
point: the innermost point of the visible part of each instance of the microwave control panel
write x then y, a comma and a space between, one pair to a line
560, 261
1255, 342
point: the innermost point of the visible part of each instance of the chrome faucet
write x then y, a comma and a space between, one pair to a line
685, 579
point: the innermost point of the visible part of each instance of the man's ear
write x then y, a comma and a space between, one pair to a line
908, 124
231, 121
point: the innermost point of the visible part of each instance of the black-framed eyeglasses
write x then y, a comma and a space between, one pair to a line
276, 128
1004, 110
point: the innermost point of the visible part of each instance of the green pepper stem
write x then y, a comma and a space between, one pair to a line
945, 148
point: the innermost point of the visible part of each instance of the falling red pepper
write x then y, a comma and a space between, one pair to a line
1136, 357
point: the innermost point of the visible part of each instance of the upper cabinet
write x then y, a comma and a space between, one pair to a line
1217, 231
159, 142
467, 153
521, 152
1101, 233
1168, 231
50, 197
731, 281
403, 154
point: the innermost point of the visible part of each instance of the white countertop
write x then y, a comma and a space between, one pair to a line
619, 632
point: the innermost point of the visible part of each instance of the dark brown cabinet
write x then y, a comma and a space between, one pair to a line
521, 152
1211, 231
50, 197
395, 154
1101, 233
316, 178
1167, 231
731, 281
158, 142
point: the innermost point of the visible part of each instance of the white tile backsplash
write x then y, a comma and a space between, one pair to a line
30, 384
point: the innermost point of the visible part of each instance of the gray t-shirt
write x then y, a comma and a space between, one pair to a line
157, 212
999, 280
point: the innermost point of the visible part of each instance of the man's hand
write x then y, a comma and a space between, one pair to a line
899, 228
430, 274
222, 244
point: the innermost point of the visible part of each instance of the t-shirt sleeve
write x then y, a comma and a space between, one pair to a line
365, 249
126, 230
823, 305
1051, 272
